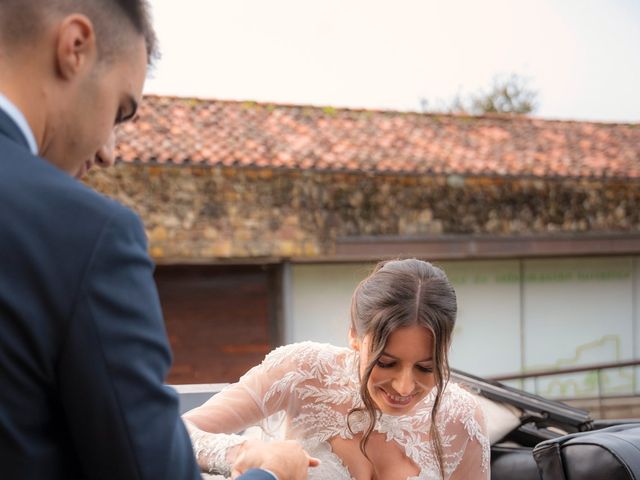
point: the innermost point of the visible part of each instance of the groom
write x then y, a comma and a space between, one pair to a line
83, 351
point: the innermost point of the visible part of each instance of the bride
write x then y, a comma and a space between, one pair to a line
382, 409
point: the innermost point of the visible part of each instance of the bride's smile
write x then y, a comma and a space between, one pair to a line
395, 401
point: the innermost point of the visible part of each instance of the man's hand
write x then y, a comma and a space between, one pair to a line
285, 459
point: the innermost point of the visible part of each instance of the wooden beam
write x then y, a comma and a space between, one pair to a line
453, 247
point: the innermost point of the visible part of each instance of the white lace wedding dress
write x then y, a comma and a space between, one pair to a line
314, 386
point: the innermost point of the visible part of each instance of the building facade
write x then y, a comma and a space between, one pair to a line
263, 218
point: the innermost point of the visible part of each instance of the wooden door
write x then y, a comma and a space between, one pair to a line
221, 320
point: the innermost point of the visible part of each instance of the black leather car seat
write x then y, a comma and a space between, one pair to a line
513, 463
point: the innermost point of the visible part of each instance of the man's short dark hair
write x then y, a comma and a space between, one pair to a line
22, 20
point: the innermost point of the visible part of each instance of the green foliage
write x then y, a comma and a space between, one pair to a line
508, 94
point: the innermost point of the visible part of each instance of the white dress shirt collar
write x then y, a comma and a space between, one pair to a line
16, 115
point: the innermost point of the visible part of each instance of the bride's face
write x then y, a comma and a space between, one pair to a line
403, 375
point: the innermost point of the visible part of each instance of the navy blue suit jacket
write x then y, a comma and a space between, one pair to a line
83, 348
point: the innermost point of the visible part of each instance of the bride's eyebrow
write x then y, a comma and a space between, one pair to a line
385, 354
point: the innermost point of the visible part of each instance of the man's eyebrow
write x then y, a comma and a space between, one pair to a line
385, 354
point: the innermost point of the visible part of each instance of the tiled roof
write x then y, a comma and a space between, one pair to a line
247, 134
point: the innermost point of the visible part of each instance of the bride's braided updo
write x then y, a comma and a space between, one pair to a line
404, 293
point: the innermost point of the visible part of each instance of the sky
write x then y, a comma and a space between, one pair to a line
581, 56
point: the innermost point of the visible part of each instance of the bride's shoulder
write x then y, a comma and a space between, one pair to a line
306, 353
461, 404
459, 394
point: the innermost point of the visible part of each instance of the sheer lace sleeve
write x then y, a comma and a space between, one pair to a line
264, 390
211, 449
467, 436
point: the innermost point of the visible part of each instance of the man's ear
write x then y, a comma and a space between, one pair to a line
76, 48
353, 339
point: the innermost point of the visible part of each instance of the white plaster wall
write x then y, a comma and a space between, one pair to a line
563, 312
636, 319
578, 312
486, 339
570, 303
321, 299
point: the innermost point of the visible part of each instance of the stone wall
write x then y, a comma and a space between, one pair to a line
204, 214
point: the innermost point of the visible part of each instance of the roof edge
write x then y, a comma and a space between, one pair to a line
335, 109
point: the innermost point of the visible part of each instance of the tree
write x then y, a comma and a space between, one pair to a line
509, 94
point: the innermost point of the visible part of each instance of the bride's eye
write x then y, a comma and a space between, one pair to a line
382, 364
424, 369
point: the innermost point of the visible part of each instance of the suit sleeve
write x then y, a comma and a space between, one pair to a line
124, 421
257, 474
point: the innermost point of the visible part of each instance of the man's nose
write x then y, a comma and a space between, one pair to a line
106, 156
404, 384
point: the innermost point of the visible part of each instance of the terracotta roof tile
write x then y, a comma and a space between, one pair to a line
180, 130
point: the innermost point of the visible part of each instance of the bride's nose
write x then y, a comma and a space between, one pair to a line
404, 384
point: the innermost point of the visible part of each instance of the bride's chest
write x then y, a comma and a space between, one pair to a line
398, 448
386, 460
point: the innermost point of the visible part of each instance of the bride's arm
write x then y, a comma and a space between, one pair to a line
264, 390
215, 452
231, 455
470, 437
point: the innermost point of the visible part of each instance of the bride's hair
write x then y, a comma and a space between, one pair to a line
403, 293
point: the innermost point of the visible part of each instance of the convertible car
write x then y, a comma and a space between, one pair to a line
532, 438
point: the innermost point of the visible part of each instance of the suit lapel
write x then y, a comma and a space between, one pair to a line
9, 129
